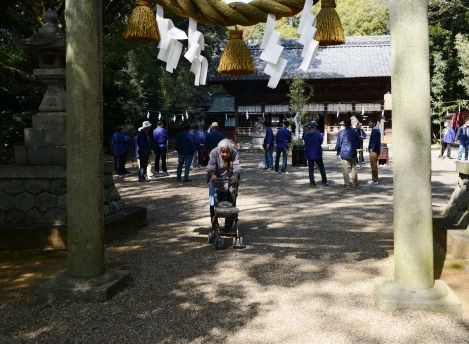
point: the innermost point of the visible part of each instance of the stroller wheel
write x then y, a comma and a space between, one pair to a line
219, 243
238, 243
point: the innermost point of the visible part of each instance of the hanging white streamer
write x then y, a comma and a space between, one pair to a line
297, 129
307, 31
170, 47
199, 64
247, 114
174, 118
159, 116
148, 114
187, 115
275, 65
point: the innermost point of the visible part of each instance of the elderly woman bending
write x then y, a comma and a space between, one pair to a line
223, 163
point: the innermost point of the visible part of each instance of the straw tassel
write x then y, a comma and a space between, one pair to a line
142, 25
236, 59
329, 28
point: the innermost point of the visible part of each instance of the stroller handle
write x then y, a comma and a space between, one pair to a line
224, 180
222, 183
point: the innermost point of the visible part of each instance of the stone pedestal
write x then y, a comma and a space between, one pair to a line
33, 207
99, 288
451, 228
390, 296
45, 144
257, 140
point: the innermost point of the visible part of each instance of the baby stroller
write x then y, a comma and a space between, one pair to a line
224, 214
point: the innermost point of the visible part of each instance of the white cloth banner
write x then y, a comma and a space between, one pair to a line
273, 50
275, 72
199, 64
275, 65
307, 31
170, 47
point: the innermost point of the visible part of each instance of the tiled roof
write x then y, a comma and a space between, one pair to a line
359, 57
222, 103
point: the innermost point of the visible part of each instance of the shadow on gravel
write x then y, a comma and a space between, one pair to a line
299, 239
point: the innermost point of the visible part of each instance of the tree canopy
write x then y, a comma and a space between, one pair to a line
136, 82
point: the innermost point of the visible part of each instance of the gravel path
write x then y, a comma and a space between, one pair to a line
306, 275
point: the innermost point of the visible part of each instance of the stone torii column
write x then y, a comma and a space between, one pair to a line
413, 286
86, 277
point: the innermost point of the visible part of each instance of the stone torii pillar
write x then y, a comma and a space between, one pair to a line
86, 277
413, 286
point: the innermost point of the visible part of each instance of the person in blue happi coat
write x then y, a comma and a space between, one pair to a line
212, 138
313, 152
282, 139
346, 146
447, 138
374, 148
160, 139
463, 137
268, 147
186, 147
120, 148
361, 137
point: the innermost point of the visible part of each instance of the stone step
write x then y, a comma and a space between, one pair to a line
41, 155
49, 120
45, 136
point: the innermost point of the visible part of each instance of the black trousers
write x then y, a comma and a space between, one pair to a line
160, 152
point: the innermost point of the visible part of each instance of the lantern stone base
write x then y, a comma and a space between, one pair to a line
28, 236
451, 227
96, 288
390, 296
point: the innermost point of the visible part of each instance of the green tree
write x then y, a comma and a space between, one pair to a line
363, 17
299, 94
131, 73
462, 46
446, 20
286, 26
437, 88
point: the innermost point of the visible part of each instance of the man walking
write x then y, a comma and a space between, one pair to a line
160, 138
143, 147
374, 148
463, 137
313, 152
185, 146
447, 138
283, 139
268, 146
346, 146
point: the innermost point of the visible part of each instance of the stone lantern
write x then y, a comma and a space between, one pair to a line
34, 191
48, 44
45, 144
